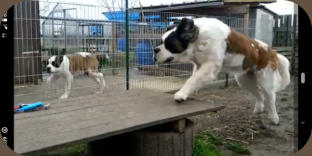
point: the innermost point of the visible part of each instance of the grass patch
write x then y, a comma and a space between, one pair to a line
238, 148
284, 99
208, 144
209, 137
205, 148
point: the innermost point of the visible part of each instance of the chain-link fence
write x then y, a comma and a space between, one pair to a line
43, 29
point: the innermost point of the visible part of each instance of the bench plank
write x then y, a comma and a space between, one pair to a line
96, 117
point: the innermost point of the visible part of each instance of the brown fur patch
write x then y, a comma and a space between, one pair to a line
79, 63
255, 54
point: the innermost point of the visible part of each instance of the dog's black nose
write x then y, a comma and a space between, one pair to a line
156, 50
49, 69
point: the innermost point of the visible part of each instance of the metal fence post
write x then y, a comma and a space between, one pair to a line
287, 29
114, 47
227, 74
127, 47
64, 11
294, 47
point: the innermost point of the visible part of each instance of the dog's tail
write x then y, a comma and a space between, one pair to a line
284, 71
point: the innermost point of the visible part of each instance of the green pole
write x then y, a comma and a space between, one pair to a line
127, 47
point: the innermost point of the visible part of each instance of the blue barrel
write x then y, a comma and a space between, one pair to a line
144, 53
121, 44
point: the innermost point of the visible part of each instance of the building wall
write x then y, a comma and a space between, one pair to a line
264, 26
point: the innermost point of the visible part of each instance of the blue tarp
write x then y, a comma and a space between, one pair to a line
152, 17
134, 17
120, 16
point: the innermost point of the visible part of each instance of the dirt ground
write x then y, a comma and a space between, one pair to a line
237, 122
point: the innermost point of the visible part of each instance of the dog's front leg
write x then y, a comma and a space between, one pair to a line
52, 78
194, 68
68, 82
205, 73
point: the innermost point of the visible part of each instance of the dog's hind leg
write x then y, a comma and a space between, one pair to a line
101, 78
268, 81
248, 82
98, 78
270, 100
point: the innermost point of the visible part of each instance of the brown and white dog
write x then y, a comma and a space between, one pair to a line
211, 46
69, 65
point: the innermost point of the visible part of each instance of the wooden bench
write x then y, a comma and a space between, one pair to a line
99, 116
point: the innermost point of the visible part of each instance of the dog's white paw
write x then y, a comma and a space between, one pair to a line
49, 79
274, 119
258, 108
180, 96
64, 96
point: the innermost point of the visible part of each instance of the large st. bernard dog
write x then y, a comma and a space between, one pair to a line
67, 66
212, 46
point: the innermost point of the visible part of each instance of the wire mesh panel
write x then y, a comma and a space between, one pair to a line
44, 29
145, 33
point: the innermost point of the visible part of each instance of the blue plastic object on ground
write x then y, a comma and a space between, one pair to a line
30, 107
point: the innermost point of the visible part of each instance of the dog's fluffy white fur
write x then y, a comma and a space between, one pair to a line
61, 67
209, 55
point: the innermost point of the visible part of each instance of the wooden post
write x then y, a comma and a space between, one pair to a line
226, 80
179, 125
148, 142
